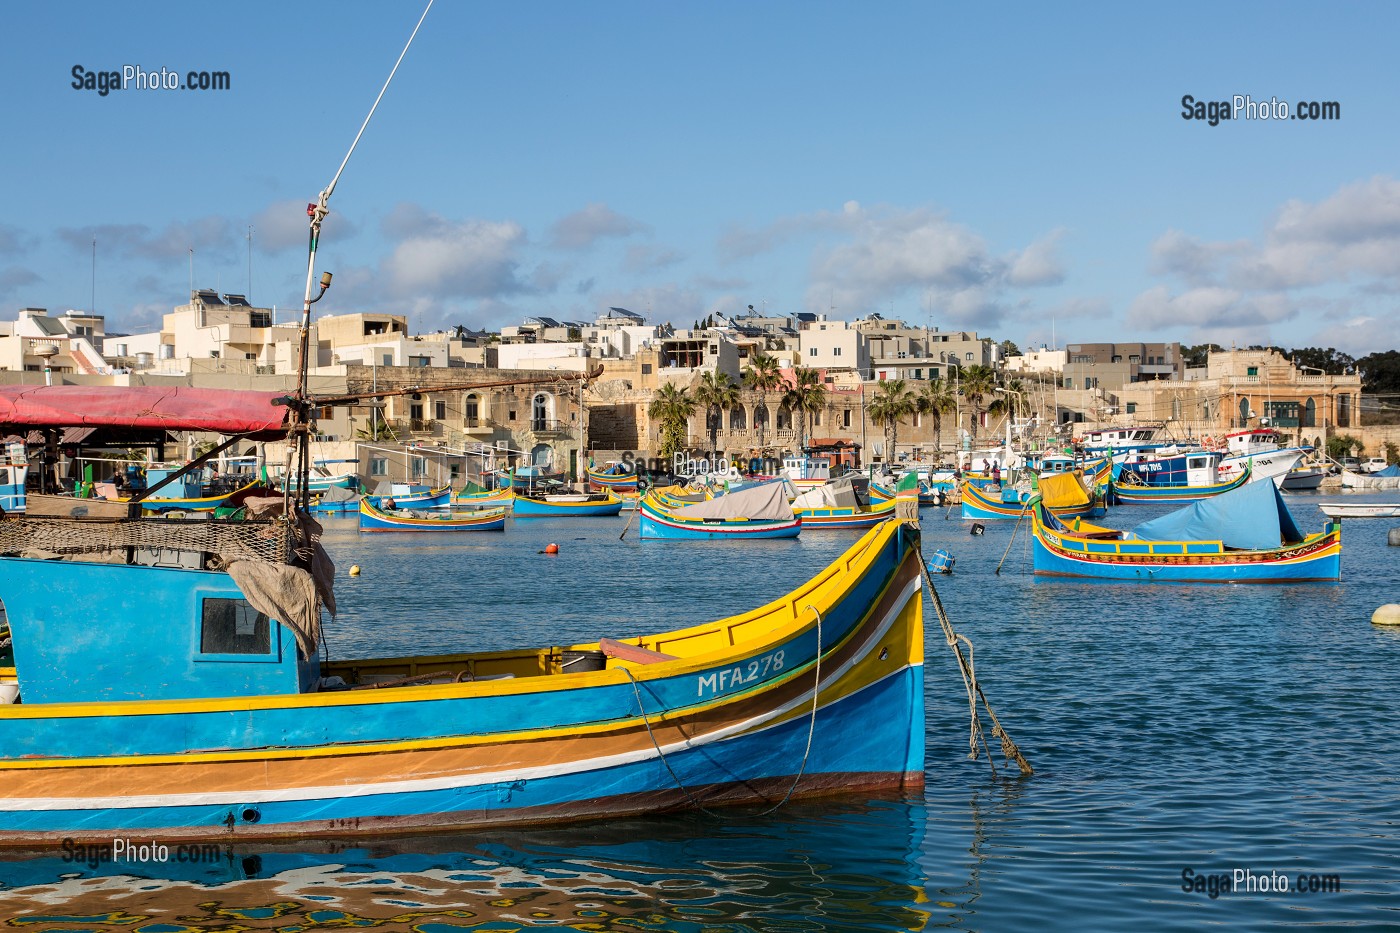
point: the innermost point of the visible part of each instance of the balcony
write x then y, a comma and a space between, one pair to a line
479, 427
549, 428
403, 427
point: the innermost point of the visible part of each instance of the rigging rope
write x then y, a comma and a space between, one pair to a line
974, 689
806, 752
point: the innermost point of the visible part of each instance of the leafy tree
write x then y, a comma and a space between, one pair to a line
1343, 445
1009, 349
717, 393
806, 397
1380, 372
894, 401
1329, 360
1196, 357
975, 385
936, 399
672, 406
763, 376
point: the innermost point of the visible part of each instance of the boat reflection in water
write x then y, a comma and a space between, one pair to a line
814, 865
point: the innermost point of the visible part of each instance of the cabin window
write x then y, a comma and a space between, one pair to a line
231, 626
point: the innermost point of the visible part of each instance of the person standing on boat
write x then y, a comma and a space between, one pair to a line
996, 473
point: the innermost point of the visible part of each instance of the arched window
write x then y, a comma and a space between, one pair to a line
738, 418
1310, 414
760, 416
1244, 412
539, 413
784, 418
473, 410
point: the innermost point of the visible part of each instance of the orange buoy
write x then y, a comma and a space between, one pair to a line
551, 549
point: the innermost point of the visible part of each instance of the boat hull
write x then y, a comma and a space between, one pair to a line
655, 522
526, 507
978, 504
1316, 559
820, 692
617, 482
373, 519
432, 499
1134, 495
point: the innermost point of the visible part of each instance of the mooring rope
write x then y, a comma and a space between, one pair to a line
806, 752
1014, 529
974, 689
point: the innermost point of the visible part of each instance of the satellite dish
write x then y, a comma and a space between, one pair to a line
1252, 414
1264, 422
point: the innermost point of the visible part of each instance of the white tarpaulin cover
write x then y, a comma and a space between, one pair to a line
766, 502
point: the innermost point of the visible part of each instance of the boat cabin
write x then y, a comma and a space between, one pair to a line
1196, 468
155, 628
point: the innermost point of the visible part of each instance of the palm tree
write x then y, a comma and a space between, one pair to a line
673, 407
894, 401
936, 399
763, 376
806, 397
718, 393
977, 383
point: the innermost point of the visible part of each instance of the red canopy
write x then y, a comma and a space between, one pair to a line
169, 408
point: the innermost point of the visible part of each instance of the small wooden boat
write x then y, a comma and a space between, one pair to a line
408, 496
336, 500
1246, 535
215, 718
195, 503
1063, 494
557, 505
618, 477
1360, 509
1129, 488
821, 518
1303, 478
483, 499
752, 512
838, 505
373, 518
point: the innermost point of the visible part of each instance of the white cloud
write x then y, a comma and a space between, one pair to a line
443, 259
285, 225
1038, 264
583, 228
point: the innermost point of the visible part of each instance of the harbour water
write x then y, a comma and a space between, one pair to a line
1209, 729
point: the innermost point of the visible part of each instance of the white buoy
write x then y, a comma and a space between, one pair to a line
1389, 614
1393, 538
354, 570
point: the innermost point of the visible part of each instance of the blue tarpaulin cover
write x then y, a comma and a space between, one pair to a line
1251, 517
1391, 470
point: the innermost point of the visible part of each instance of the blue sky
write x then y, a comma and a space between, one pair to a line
991, 167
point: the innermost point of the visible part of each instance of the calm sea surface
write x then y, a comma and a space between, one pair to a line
1209, 728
